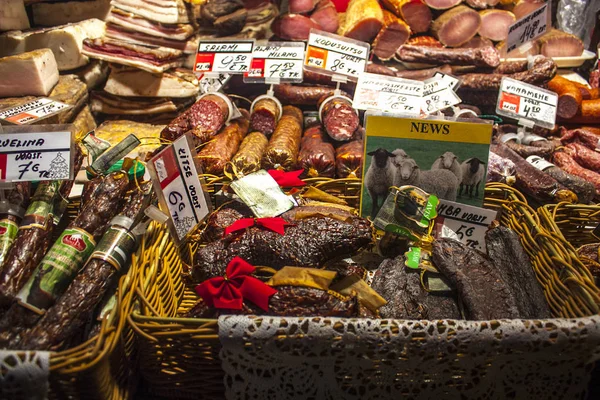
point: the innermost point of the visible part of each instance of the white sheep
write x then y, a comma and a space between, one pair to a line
441, 182
399, 155
473, 170
450, 162
379, 178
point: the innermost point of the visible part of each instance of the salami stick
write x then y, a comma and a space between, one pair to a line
219, 151
76, 305
338, 117
348, 160
569, 165
66, 256
13, 210
302, 95
317, 156
480, 56
264, 116
585, 136
569, 96
584, 156
282, 150
250, 154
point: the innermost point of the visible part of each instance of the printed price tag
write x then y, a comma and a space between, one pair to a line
210, 83
386, 93
469, 223
33, 111
175, 178
523, 101
438, 94
335, 54
279, 62
224, 56
528, 28
28, 156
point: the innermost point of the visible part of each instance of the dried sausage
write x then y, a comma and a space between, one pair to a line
348, 160
567, 163
302, 95
250, 154
511, 67
316, 156
587, 158
215, 155
17, 200
569, 96
338, 117
584, 135
265, 114
479, 56
282, 150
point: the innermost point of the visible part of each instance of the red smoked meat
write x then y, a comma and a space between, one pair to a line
326, 16
301, 6
339, 118
364, 19
415, 12
392, 35
293, 26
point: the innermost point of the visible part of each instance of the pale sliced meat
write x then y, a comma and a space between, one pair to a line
131, 82
525, 7
364, 19
164, 11
189, 46
29, 74
495, 24
65, 41
442, 4
477, 41
392, 35
13, 15
326, 16
293, 27
527, 49
136, 23
302, 6
560, 44
53, 14
456, 26
478, 4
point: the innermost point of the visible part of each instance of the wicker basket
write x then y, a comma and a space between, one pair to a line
100, 368
179, 357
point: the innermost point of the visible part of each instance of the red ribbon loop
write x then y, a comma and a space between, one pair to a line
277, 224
238, 284
287, 179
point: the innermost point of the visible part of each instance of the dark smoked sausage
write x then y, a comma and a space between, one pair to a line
348, 160
282, 150
316, 156
215, 155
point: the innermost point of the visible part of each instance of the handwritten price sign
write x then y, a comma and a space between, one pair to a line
438, 94
33, 111
175, 178
276, 62
469, 223
386, 93
520, 100
528, 28
232, 57
335, 54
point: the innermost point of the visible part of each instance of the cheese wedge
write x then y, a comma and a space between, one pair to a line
29, 74
65, 42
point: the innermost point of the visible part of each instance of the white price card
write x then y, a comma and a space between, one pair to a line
452, 81
469, 223
175, 178
34, 156
388, 93
438, 94
528, 28
336, 55
520, 100
209, 83
33, 111
276, 62
227, 56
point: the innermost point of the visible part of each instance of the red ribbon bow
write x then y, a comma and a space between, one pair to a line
277, 224
287, 179
237, 284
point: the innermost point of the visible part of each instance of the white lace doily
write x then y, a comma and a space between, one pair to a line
24, 374
331, 358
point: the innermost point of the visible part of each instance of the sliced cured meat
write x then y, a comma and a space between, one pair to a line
560, 44
374, 68
525, 7
293, 27
495, 24
392, 35
456, 26
118, 33
302, 6
150, 59
415, 12
442, 4
364, 19
165, 11
480, 56
424, 41
527, 49
477, 41
136, 23
339, 118
326, 16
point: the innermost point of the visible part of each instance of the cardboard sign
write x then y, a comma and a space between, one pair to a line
232, 57
34, 156
387, 93
336, 55
520, 100
467, 222
410, 147
276, 62
33, 111
528, 28
175, 179
438, 94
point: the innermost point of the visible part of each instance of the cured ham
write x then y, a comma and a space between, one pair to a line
392, 35
364, 20
560, 44
136, 23
442, 4
293, 27
456, 26
326, 16
415, 12
495, 24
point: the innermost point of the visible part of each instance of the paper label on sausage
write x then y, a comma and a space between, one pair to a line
115, 247
389, 94
520, 100
336, 54
469, 223
276, 62
528, 28
539, 163
33, 111
226, 56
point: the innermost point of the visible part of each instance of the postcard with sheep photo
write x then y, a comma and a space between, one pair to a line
443, 157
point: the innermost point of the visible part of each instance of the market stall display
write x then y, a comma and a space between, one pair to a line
230, 167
